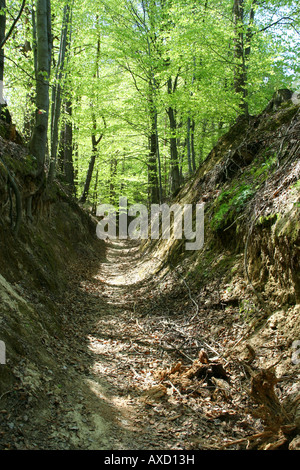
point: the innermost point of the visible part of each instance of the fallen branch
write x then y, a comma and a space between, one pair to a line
248, 438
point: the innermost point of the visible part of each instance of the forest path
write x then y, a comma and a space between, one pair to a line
126, 357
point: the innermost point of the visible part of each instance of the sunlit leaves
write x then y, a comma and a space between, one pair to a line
144, 42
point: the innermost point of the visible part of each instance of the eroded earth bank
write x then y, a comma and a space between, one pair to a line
117, 345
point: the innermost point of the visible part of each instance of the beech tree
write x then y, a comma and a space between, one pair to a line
58, 88
38, 143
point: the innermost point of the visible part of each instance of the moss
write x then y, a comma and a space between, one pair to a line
229, 204
261, 169
26, 165
289, 226
284, 116
237, 130
268, 221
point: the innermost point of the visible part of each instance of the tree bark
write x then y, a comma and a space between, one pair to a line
193, 144
174, 170
188, 146
239, 71
242, 50
153, 179
38, 143
57, 92
152, 172
113, 174
95, 143
68, 148
2, 36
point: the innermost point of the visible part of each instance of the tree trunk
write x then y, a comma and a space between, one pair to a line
174, 170
152, 165
38, 143
193, 144
242, 50
95, 195
112, 186
61, 150
88, 179
68, 148
57, 92
2, 36
202, 141
188, 145
95, 143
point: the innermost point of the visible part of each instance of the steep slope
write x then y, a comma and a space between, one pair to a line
34, 267
249, 267
250, 186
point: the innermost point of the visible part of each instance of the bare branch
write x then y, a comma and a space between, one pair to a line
277, 22
13, 25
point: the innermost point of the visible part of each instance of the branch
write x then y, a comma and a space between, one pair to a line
102, 135
275, 23
294, 28
13, 25
26, 73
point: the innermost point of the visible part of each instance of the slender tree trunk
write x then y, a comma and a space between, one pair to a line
2, 36
193, 144
113, 174
29, 115
152, 165
160, 191
174, 170
57, 92
95, 143
68, 148
76, 162
34, 39
188, 145
61, 150
242, 50
38, 143
88, 179
95, 195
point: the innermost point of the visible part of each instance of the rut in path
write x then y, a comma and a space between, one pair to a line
124, 330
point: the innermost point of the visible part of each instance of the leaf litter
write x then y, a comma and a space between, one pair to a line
138, 370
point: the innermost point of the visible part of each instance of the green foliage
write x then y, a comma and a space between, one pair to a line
142, 45
262, 171
229, 204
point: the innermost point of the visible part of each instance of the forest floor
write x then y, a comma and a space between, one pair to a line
129, 374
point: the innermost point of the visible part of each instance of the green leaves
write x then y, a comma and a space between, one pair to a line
143, 45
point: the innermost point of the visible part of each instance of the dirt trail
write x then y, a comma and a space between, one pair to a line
123, 379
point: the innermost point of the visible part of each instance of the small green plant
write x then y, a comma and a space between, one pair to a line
296, 185
229, 204
264, 168
247, 310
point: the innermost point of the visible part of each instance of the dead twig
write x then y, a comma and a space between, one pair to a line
248, 438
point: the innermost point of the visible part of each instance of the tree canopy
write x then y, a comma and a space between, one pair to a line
139, 91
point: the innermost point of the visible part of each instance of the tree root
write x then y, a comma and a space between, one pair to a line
12, 185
